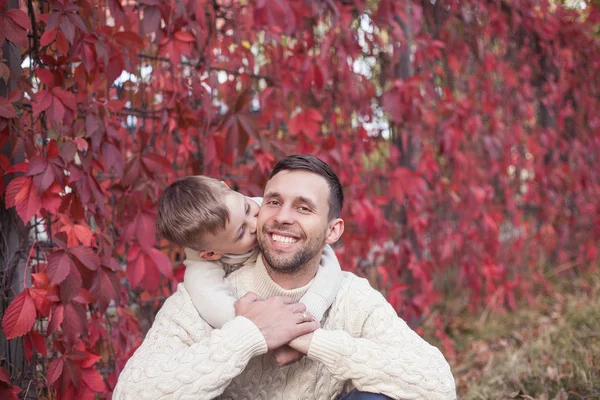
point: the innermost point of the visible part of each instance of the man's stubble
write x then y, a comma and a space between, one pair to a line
290, 264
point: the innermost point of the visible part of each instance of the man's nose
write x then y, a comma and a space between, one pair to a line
285, 216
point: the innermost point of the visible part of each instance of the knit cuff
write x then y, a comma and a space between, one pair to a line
325, 347
245, 337
315, 304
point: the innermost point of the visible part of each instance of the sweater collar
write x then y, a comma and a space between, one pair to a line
265, 287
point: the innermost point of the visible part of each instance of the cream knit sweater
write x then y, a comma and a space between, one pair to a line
362, 344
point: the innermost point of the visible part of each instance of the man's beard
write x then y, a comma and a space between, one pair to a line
289, 264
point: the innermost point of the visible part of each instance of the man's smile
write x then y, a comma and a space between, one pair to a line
282, 240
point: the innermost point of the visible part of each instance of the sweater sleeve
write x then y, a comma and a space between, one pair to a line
388, 357
183, 357
325, 286
211, 294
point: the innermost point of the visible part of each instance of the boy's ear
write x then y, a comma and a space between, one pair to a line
208, 255
335, 230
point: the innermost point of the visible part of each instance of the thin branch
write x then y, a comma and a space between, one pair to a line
34, 35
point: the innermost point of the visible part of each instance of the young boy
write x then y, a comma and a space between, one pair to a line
217, 226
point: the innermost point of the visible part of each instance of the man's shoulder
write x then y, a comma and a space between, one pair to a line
357, 290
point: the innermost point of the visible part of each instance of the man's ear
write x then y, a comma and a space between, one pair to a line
334, 231
208, 255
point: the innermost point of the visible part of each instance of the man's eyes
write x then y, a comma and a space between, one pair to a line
277, 203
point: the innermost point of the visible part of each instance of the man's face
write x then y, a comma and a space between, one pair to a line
239, 235
293, 220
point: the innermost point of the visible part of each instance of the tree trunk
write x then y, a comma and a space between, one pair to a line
13, 236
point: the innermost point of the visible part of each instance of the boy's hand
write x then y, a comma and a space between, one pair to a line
302, 343
278, 318
285, 355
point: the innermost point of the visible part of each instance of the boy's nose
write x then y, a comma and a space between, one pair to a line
252, 223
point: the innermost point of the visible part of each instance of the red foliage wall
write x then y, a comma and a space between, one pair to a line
465, 134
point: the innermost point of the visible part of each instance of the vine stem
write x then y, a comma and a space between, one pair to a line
27, 264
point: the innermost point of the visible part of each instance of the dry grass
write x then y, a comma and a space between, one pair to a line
550, 351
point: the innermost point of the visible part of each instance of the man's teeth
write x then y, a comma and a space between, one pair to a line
283, 239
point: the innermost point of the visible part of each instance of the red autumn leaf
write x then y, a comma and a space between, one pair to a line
48, 37
162, 262
59, 266
145, 229
36, 165
34, 340
151, 279
7, 110
184, 36
76, 233
21, 194
156, 164
89, 360
40, 279
74, 322
14, 25
87, 256
52, 198
151, 19
307, 121
71, 206
132, 172
41, 102
19, 316
136, 266
112, 157
56, 319
93, 380
55, 369
4, 164
43, 175
70, 286
66, 97
39, 343
7, 391
115, 67
41, 299
72, 374
28, 347
46, 76
105, 287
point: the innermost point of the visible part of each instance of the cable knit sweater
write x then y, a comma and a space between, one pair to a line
362, 344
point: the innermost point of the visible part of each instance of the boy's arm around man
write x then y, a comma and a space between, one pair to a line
182, 356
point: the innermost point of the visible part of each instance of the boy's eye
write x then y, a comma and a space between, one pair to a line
247, 208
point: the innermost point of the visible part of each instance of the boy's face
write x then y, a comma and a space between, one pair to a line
239, 235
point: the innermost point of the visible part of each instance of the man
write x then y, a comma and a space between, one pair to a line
362, 345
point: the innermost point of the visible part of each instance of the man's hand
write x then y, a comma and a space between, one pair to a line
302, 343
278, 318
285, 355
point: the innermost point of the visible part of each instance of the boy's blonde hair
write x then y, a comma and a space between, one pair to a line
191, 207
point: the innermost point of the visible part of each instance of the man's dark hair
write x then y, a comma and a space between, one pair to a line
319, 167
